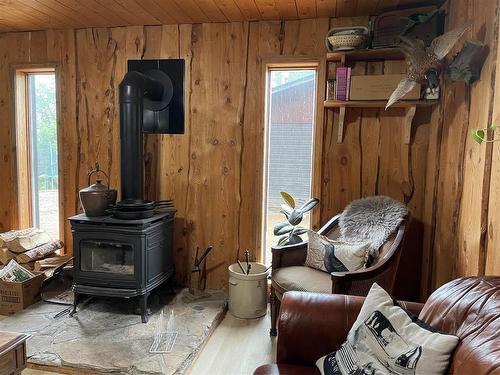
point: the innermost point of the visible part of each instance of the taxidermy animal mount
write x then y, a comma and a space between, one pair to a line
468, 63
425, 63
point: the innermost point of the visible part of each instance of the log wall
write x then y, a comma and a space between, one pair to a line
214, 171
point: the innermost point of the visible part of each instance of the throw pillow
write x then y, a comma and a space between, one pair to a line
386, 339
335, 256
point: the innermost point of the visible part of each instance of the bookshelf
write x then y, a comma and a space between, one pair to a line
410, 106
377, 103
365, 55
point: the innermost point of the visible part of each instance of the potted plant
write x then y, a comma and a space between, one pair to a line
290, 231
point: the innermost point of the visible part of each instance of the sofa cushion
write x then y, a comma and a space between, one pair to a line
302, 279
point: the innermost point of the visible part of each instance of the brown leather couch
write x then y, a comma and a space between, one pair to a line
312, 325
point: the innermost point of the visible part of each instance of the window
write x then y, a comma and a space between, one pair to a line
290, 119
37, 149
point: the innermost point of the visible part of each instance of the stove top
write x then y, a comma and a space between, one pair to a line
111, 220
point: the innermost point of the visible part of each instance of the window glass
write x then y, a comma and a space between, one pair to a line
290, 112
43, 151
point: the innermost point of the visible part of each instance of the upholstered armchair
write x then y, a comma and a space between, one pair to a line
290, 274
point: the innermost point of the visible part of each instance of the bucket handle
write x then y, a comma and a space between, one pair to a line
232, 283
96, 170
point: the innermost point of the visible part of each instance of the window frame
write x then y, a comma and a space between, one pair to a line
21, 161
293, 63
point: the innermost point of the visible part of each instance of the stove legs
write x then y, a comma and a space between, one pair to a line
75, 303
144, 307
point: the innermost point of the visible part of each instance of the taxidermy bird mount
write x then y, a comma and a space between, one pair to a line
425, 63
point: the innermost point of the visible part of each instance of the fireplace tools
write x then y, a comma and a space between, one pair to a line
200, 268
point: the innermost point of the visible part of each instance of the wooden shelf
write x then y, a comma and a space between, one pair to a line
366, 54
409, 105
377, 103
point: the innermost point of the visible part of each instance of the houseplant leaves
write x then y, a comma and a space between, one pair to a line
288, 199
282, 228
295, 217
309, 205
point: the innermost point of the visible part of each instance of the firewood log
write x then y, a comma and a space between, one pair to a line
39, 252
6, 255
12, 234
24, 240
53, 262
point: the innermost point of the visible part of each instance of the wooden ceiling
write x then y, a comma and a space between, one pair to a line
24, 15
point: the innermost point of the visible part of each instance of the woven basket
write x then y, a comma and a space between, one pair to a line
346, 38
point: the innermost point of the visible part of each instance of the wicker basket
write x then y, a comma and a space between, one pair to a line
346, 38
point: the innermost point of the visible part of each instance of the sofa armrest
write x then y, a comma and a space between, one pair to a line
290, 255
312, 324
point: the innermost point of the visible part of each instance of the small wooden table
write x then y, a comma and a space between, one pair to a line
12, 353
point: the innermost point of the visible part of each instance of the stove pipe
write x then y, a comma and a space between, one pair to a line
134, 88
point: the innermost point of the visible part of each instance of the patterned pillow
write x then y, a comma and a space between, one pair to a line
335, 256
386, 339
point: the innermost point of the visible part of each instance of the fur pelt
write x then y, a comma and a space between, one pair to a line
371, 219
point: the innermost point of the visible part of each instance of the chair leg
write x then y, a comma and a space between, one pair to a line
275, 309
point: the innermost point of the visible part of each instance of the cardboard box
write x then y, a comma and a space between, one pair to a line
379, 87
17, 296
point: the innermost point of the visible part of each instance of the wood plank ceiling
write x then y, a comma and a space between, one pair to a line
26, 15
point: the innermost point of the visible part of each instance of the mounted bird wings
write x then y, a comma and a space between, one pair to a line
404, 87
421, 59
413, 51
443, 44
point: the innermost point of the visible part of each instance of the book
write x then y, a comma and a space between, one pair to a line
330, 92
348, 85
343, 76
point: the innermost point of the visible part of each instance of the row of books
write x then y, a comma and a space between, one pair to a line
338, 88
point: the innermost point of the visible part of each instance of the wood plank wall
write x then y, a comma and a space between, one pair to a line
214, 171
467, 194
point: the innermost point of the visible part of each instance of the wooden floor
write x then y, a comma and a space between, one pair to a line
237, 346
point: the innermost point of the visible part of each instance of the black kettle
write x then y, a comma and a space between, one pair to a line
96, 198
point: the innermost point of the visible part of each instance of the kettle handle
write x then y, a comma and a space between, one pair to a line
96, 170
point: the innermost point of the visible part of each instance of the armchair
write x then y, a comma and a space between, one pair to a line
290, 274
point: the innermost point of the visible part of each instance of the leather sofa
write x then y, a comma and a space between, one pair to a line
312, 325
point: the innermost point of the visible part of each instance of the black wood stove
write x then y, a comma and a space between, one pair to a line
122, 258
129, 253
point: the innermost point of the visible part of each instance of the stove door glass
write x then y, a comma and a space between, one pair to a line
110, 257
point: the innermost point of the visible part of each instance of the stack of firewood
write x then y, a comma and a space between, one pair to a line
28, 246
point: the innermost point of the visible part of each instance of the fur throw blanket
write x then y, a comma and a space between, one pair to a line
371, 219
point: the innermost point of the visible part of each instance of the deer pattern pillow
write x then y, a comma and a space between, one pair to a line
386, 339
335, 256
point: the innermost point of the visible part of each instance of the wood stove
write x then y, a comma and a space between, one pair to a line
122, 258
129, 258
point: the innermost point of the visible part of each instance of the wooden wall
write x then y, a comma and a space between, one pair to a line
467, 194
214, 171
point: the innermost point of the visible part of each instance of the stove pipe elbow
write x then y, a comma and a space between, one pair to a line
136, 86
